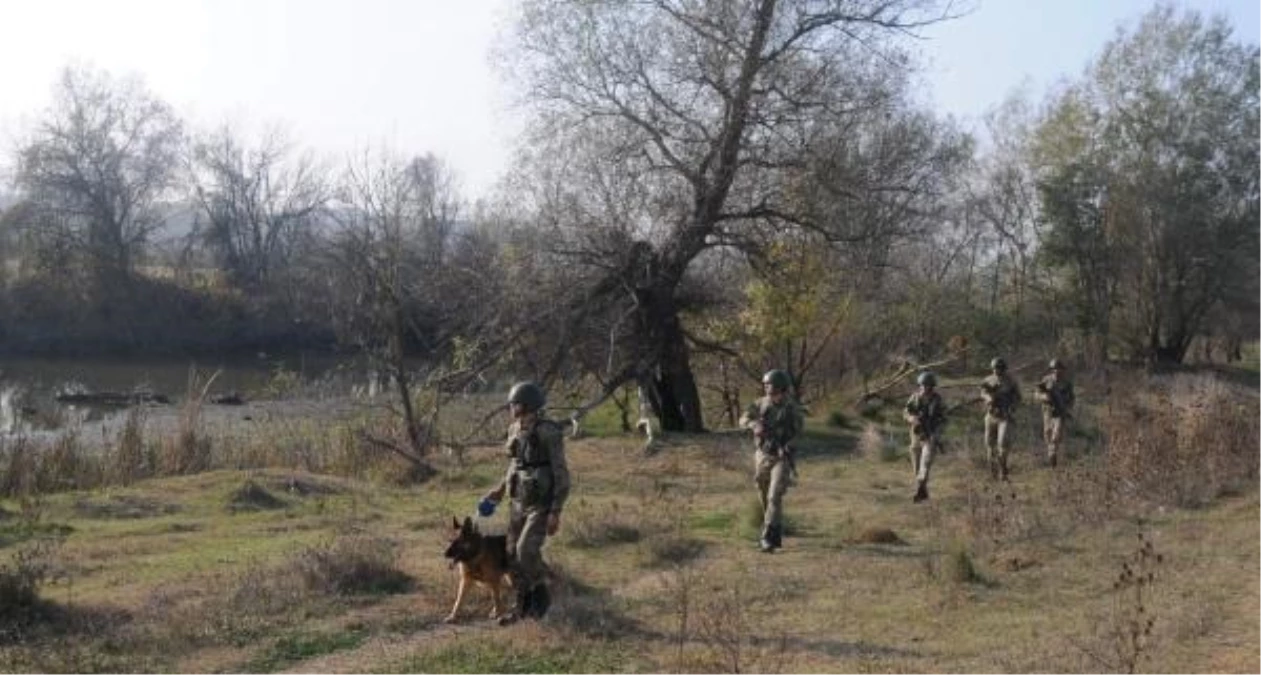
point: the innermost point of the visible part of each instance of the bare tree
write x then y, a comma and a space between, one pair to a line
1004, 199
665, 128
97, 167
256, 200
414, 293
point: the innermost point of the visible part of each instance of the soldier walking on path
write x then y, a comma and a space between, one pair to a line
1055, 392
1001, 395
537, 482
775, 419
925, 412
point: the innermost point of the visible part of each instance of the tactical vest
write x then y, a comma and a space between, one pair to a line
1059, 394
532, 480
928, 410
1003, 397
777, 423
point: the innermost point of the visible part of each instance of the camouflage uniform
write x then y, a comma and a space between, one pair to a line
780, 423
537, 482
926, 413
1002, 395
1057, 397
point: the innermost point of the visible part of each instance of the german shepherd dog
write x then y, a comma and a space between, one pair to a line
482, 559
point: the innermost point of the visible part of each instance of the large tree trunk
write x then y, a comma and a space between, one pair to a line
676, 401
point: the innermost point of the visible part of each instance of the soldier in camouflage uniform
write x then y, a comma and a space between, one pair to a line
774, 419
537, 482
925, 412
1056, 394
1001, 395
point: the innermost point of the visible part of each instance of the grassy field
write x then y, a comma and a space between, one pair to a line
272, 570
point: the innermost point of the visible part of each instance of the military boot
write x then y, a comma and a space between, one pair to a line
525, 604
1002, 469
767, 543
540, 601
1052, 460
777, 536
921, 492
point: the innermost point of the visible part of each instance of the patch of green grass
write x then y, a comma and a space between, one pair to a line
751, 520
494, 656
14, 533
472, 476
819, 440
604, 421
713, 521
297, 647
838, 418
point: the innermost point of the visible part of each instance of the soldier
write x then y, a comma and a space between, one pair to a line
537, 482
1001, 395
774, 419
926, 413
1056, 394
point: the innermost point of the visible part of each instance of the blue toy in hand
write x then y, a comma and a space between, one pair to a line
486, 507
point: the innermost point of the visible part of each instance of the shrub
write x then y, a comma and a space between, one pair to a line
838, 418
253, 497
353, 564
602, 526
1185, 440
958, 566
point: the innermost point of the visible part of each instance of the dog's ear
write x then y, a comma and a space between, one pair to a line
455, 523
468, 524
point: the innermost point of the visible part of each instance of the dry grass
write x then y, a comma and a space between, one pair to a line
1183, 441
71, 462
352, 564
656, 567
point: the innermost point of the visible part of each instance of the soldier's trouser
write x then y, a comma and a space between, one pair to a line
771, 476
997, 439
1052, 433
922, 452
527, 530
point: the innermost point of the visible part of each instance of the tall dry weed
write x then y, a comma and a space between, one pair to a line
129, 459
68, 465
1181, 440
1124, 637
718, 618
17, 466
188, 450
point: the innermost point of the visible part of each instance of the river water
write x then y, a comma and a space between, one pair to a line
29, 387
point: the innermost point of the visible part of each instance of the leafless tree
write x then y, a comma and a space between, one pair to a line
662, 129
414, 294
256, 201
96, 169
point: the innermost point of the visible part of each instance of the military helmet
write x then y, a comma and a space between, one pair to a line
778, 379
1055, 364
528, 394
998, 364
927, 379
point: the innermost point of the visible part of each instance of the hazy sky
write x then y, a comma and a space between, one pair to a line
416, 74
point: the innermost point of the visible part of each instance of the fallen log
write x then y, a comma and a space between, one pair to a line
114, 398
232, 398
